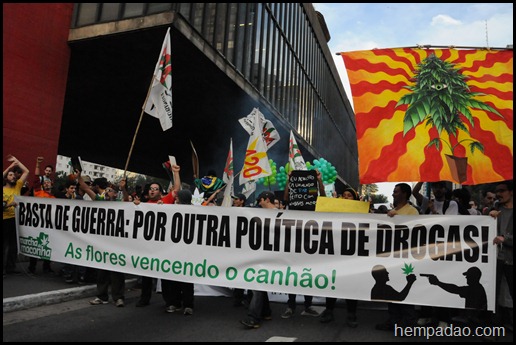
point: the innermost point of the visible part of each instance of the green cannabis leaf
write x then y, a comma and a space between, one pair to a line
408, 269
43, 239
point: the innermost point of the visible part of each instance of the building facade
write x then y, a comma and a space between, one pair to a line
227, 58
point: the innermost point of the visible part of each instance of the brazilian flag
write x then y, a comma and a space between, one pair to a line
208, 184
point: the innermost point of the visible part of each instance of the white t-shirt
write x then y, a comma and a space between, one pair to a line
453, 208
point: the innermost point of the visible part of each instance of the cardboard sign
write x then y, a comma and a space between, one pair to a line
325, 204
302, 190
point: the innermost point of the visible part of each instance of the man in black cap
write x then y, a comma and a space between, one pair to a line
474, 293
240, 299
259, 308
239, 200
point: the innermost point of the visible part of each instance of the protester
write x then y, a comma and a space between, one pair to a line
154, 195
504, 238
351, 305
240, 298
106, 278
179, 295
12, 187
43, 186
403, 315
259, 308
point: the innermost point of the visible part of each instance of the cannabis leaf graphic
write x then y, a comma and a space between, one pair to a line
442, 98
408, 269
43, 239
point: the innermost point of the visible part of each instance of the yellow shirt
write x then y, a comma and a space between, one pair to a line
9, 193
407, 210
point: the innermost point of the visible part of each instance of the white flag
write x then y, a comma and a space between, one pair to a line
295, 158
228, 193
228, 177
159, 101
249, 188
256, 162
269, 132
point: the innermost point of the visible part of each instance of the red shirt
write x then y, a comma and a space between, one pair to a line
167, 199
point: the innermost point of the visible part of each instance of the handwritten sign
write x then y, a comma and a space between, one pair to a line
302, 190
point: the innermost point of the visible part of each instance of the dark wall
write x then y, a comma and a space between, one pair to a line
108, 81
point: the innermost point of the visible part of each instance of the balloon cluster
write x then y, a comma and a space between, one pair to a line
271, 179
282, 176
328, 171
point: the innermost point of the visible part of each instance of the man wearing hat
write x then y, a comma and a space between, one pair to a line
259, 308
239, 200
88, 181
474, 293
240, 299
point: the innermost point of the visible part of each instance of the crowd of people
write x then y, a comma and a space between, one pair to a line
179, 296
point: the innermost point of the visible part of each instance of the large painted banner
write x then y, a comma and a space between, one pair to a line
343, 255
433, 114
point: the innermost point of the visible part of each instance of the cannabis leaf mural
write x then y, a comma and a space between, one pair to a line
419, 111
440, 96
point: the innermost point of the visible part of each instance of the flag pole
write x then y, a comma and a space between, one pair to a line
137, 127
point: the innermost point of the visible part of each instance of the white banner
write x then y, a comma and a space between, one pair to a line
302, 252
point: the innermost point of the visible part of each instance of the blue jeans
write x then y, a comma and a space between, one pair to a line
259, 306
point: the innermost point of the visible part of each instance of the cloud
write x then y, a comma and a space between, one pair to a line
443, 19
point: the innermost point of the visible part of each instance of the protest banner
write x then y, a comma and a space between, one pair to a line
323, 254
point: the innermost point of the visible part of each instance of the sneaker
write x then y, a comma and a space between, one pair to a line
250, 323
142, 303
119, 303
287, 314
98, 301
267, 317
310, 312
68, 280
326, 316
173, 309
188, 311
81, 280
352, 321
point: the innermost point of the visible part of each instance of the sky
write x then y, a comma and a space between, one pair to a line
366, 26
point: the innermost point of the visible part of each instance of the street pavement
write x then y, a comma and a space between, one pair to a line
34, 305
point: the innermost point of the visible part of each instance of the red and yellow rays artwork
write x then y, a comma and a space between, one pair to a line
433, 114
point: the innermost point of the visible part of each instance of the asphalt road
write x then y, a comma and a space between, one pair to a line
215, 319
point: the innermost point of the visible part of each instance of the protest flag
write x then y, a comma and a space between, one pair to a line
269, 132
158, 102
228, 177
256, 163
295, 158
